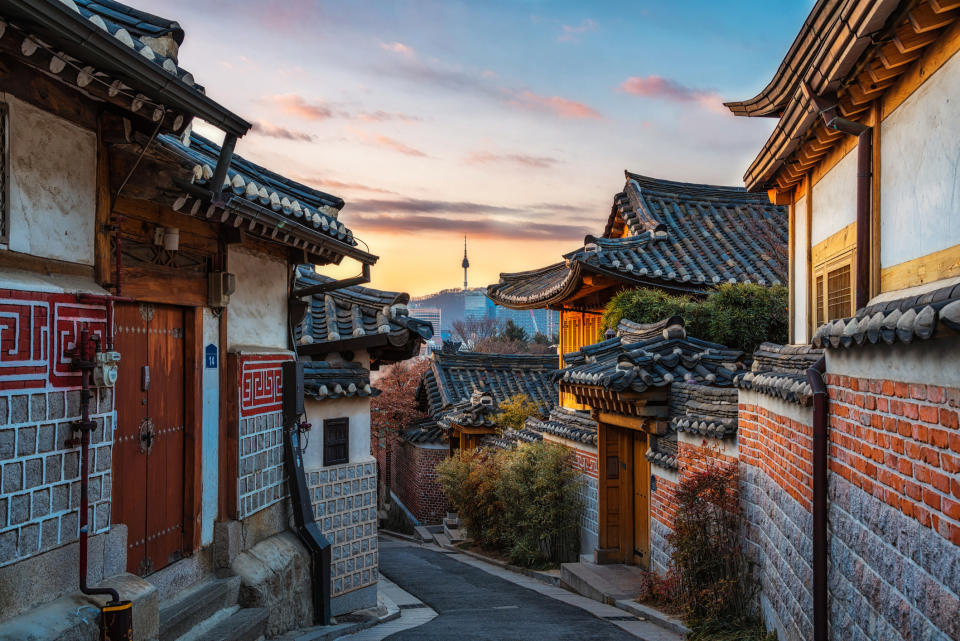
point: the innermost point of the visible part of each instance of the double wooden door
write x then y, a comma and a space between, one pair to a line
624, 496
148, 456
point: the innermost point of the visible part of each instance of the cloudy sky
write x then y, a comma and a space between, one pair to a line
510, 121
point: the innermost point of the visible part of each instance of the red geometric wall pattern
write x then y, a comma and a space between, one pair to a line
261, 383
37, 335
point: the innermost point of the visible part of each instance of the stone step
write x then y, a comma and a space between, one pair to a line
192, 607
422, 534
454, 534
246, 624
605, 583
451, 523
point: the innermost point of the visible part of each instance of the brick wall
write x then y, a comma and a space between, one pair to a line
260, 477
776, 498
663, 509
894, 509
344, 499
39, 401
416, 484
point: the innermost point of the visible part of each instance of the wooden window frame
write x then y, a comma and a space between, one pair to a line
328, 425
821, 308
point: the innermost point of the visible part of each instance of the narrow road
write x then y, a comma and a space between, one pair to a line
474, 605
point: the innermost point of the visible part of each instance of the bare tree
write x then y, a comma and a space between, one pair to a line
477, 329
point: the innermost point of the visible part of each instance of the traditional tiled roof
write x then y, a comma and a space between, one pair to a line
478, 411
324, 380
850, 52
360, 317
621, 363
119, 54
781, 371
682, 237
510, 439
424, 432
663, 459
704, 410
914, 316
261, 202
452, 378
567, 423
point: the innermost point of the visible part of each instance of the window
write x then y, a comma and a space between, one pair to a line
336, 441
4, 173
832, 295
820, 317
838, 293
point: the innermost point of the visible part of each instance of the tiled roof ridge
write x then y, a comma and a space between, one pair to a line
327, 380
135, 20
512, 361
575, 425
780, 371
917, 316
663, 459
693, 191
358, 294
634, 331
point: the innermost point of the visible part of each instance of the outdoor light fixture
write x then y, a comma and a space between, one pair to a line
167, 237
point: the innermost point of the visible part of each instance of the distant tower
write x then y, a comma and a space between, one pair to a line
465, 263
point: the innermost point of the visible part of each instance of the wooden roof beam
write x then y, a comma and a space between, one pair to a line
941, 6
924, 18
908, 41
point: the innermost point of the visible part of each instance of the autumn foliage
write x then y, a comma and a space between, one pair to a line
396, 406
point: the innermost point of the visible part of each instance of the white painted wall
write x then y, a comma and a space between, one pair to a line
258, 309
800, 303
931, 362
835, 199
53, 172
920, 170
355, 409
211, 428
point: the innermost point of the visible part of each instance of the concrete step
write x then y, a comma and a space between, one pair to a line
451, 523
422, 534
605, 583
192, 607
454, 534
246, 624
441, 539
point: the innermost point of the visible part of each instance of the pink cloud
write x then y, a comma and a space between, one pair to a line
386, 142
295, 105
561, 107
270, 130
382, 116
654, 86
398, 47
571, 33
487, 158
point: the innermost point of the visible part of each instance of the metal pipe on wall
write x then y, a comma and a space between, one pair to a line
820, 454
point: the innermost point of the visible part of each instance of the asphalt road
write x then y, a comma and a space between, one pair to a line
476, 606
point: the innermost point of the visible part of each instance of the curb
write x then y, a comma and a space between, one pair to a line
543, 577
329, 633
653, 615
398, 535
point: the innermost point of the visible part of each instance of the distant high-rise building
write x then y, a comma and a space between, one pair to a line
434, 316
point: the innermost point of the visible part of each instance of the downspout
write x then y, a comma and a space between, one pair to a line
820, 454
829, 111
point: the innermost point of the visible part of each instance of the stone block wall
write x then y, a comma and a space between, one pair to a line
663, 509
40, 475
776, 458
344, 499
590, 516
260, 477
416, 482
894, 509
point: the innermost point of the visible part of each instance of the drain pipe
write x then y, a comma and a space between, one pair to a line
116, 617
820, 454
829, 111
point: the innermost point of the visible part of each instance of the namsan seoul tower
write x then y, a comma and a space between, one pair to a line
465, 263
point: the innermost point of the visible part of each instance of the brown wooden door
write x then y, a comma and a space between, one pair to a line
611, 489
641, 500
148, 482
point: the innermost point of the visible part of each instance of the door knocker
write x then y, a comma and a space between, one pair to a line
146, 435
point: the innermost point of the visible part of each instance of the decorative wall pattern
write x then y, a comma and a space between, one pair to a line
344, 499
586, 462
260, 479
37, 333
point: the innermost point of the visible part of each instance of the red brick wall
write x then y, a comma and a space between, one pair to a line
782, 448
416, 484
900, 443
663, 502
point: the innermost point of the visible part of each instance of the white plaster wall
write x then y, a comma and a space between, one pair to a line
800, 413
211, 428
931, 362
258, 309
920, 170
665, 473
801, 240
835, 199
355, 409
53, 172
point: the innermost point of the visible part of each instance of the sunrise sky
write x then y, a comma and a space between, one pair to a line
508, 121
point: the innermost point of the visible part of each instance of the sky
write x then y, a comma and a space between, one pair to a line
509, 121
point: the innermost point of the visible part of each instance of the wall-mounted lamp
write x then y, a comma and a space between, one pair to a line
167, 237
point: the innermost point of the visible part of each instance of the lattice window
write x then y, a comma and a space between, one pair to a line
336, 441
4, 173
820, 317
838, 293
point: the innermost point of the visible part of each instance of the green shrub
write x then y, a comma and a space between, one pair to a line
740, 316
524, 501
515, 411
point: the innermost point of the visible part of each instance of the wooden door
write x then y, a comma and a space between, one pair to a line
612, 487
641, 500
148, 482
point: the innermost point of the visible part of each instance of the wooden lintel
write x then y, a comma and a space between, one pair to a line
641, 424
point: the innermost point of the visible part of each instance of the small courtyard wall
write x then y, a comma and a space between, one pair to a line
416, 482
663, 510
583, 458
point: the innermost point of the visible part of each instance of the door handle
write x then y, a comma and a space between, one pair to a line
145, 378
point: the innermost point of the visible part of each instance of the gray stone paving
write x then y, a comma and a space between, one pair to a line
477, 601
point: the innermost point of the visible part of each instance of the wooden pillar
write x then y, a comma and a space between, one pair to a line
101, 236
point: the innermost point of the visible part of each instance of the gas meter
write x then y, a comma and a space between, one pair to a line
106, 368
